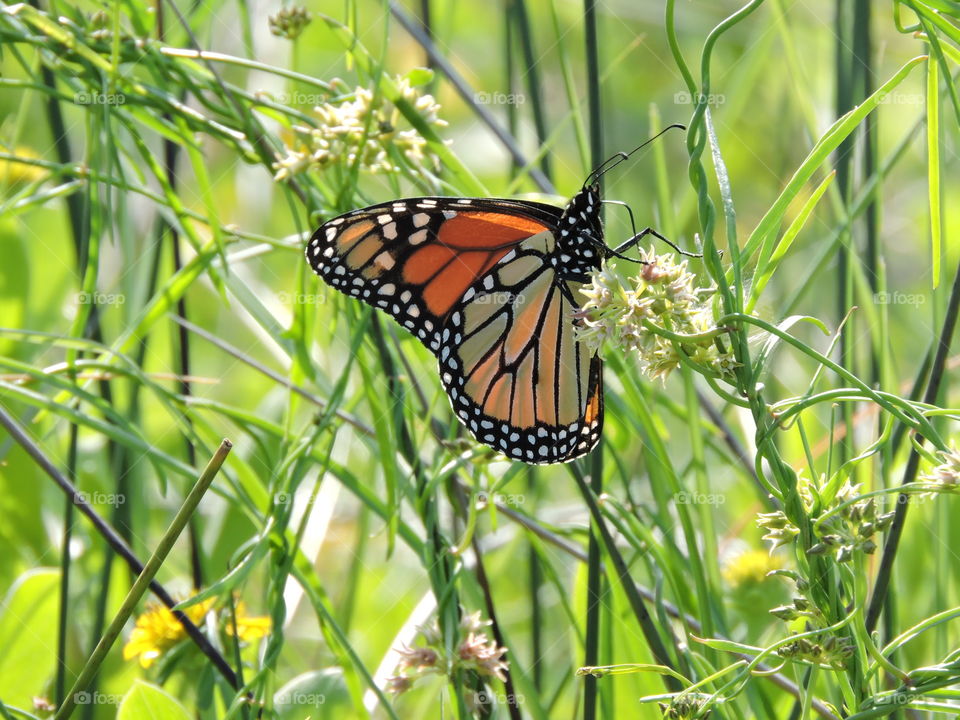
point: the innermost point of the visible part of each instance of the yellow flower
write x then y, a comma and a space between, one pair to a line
15, 171
249, 628
750, 568
157, 630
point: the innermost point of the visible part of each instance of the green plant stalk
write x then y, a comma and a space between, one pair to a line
650, 631
595, 581
150, 569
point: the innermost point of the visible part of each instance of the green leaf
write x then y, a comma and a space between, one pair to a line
14, 281
28, 636
148, 702
933, 164
419, 76
315, 694
830, 141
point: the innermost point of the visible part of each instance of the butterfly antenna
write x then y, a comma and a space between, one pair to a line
611, 162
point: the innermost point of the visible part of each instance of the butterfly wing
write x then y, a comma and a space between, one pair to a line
472, 279
508, 360
415, 258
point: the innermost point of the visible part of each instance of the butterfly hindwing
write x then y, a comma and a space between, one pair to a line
515, 376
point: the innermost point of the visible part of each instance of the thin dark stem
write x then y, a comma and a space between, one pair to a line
427, 25
170, 154
594, 574
63, 621
536, 610
591, 653
513, 700
468, 96
622, 574
116, 542
845, 62
913, 462
533, 79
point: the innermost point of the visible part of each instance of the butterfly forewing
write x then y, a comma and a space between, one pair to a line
415, 258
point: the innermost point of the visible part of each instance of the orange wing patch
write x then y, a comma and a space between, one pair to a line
351, 234
466, 246
593, 407
487, 230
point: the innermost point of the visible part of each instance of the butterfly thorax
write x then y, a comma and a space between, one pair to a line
580, 244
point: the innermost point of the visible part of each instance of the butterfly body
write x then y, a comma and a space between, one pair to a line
489, 287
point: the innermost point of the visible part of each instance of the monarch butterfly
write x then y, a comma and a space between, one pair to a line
489, 286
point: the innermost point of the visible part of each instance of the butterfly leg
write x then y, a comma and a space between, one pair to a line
637, 236
635, 240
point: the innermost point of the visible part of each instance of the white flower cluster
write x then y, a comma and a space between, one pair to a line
628, 313
363, 127
476, 652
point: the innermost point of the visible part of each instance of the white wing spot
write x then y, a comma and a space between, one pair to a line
420, 219
385, 261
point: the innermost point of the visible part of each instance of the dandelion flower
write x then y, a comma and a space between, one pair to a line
157, 630
750, 568
14, 171
249, 628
